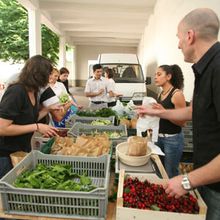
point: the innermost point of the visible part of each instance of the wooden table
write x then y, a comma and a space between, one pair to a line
111, 211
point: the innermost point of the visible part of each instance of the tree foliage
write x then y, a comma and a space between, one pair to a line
14, 45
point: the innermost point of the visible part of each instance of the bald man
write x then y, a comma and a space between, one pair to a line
198, 39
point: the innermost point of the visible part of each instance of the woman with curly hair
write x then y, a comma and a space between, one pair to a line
170, 140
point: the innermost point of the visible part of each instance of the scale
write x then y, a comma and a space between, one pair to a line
149, 167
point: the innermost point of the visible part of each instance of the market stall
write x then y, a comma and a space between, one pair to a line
111, 210
88, 152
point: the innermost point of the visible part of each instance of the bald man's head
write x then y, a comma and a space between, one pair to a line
203, 21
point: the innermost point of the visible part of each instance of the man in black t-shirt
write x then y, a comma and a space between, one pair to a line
198, 40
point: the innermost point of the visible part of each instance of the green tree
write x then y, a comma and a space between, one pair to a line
14, 45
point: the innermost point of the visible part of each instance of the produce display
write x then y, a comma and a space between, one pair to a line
146, 195
110, 134
83, 145
105, 112
101, 122
54, 177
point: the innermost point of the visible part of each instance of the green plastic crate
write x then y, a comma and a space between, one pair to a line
87, 120
54, 203
80, 128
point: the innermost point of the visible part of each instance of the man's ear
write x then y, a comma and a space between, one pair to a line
191, 36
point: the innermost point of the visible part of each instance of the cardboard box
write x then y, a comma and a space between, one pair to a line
123, 213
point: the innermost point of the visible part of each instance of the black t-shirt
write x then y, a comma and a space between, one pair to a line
206, 109
166, 126
16, 106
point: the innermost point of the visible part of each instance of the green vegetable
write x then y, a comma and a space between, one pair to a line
105, 112
155, 207
54, 177
101, 122
84, 180
64, 97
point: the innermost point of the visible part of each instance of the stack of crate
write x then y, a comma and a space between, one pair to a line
186, 164
187, 131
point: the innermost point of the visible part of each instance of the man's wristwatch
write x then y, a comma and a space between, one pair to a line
186, 183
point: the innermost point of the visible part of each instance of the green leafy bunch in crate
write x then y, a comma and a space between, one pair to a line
54, 177
110, 134
101, 122
105, 112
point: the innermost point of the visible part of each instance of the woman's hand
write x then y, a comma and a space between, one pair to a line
47, 130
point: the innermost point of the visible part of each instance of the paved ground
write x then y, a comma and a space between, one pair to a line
78, 93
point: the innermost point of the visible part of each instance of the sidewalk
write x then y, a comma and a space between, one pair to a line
78, 93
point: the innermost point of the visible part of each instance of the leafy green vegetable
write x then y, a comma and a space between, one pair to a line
155, 207
64, 97
105, 112
56, 177
84, 180
101, 122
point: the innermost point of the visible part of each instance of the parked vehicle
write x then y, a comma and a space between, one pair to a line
128, 74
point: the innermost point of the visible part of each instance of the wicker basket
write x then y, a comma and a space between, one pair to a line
121, 153
17, 156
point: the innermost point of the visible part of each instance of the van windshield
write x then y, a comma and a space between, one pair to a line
126, 73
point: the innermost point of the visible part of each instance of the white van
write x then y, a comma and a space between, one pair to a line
128, 74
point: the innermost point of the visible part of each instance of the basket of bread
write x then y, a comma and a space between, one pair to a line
134, 152
89, 146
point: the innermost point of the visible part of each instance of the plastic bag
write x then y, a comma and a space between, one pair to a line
119, 108
148, 122
129, 110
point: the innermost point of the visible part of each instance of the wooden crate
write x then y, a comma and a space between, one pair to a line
123, 213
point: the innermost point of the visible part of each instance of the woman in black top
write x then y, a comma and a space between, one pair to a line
170, 140
63, 77
19, 111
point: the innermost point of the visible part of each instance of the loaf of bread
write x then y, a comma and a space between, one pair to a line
137, 146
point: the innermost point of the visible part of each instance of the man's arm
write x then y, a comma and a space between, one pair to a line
204, 175
94, 94
211, 170
181, 114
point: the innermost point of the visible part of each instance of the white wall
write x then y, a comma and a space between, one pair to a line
85, 53
159, 42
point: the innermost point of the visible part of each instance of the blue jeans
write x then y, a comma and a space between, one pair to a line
6, 165
173, 148
212, 200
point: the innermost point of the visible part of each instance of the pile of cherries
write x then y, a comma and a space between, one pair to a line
146, 195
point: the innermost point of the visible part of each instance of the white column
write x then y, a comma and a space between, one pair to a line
62, 51
34, 26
